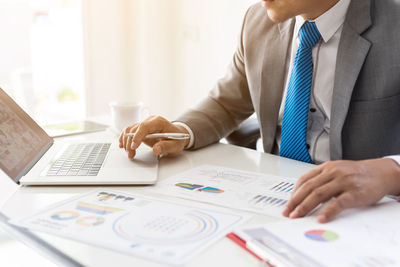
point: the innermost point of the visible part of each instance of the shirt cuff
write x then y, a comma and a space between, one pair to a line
191, 140
395, 158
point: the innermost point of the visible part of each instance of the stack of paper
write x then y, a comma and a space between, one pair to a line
360, 237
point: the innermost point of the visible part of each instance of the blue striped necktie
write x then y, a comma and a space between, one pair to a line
295, 115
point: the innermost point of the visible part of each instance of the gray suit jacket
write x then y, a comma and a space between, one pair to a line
365, 119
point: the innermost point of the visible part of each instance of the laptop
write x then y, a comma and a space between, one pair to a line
30, 157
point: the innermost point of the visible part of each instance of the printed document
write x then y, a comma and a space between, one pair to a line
361, 237
154, 229
261, 193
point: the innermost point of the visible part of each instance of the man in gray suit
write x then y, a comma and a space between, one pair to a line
323, 79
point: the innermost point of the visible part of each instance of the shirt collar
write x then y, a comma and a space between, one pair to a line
329, 22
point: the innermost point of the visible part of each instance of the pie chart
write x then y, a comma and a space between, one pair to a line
90, 221
321, 235
65, 215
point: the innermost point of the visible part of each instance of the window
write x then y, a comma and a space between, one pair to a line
41, 57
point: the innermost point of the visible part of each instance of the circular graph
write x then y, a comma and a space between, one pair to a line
65, 215
321, 235
90, 221
166, 228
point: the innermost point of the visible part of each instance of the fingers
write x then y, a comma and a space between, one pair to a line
150, 125
353, 183
125, 138
309, 175
318, 196
122, 138
170, 147
126, 141
342, 202
153, 124
307, 186
129, 144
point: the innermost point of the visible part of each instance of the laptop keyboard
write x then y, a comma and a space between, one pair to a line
80, 160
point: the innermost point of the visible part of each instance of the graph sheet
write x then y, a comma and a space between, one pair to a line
265, 194
363, 237
158, 230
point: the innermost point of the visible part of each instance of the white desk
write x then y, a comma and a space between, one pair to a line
26, 200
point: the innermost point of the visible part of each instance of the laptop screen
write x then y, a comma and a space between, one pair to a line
22, 141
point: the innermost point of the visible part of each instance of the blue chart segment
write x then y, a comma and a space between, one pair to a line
199, 188
321, 235
165, 229
105, 196
209, 189
285, 187
262, 200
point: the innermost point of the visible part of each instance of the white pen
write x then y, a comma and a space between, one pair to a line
172, 136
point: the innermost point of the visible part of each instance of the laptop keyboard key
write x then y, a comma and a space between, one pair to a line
80, 160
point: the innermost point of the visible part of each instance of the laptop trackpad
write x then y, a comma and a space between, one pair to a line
118, 158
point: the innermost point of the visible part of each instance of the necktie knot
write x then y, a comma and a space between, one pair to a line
309, 35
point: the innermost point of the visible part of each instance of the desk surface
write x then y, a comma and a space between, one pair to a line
26, 200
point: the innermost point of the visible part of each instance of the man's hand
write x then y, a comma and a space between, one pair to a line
351, 183
153, 125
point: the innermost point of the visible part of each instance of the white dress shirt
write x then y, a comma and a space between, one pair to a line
330, 25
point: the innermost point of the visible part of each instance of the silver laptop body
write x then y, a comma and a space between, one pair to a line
30, 157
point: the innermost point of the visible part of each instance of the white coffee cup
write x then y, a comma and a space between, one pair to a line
124, 114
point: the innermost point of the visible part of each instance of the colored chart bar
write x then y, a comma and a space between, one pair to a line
96, 209
189, 186
199, 188
209, 189
261, 200
285, 187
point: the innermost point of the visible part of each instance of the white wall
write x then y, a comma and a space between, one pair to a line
166, 53
15, 21
153, 40
106, 49
209, 32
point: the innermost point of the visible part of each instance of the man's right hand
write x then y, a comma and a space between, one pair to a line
153, 124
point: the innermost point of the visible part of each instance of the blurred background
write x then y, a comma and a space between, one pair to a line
67, 59
64, 60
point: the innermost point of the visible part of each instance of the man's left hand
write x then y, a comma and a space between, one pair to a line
350, 183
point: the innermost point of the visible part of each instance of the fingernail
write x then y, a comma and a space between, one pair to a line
294, 214
322, 218
285, 211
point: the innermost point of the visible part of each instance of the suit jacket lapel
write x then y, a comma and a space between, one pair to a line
273, 73
353, 50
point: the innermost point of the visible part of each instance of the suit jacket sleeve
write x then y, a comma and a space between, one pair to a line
226, 106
